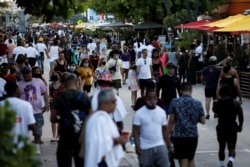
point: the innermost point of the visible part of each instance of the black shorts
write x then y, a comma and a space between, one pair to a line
117, 83
87, 88
143, 83
210, 93
185, 147
199, 66
227, 136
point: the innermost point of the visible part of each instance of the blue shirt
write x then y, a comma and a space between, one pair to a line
211, 75
188, 112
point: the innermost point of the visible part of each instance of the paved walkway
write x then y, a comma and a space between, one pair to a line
206, 155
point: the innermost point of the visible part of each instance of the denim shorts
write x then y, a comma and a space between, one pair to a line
37, 132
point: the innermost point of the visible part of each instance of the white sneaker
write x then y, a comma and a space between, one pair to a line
38, 151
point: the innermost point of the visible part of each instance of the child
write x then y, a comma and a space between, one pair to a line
133, 83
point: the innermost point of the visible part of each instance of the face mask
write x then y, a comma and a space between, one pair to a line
85, 64
54, 78
12, 70
104, 63
72, 68
37, 75
116, 57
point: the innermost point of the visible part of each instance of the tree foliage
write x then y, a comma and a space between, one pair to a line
3, 4
48, 9
188, 10
133, 10
175, 11
11, 154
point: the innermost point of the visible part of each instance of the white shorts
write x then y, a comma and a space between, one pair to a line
125, 64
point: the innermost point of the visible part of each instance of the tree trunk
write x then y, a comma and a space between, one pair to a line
190, 16
167, 7
197, 4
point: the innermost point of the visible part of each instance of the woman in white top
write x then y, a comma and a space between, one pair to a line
54, 52
32, 54
83, 54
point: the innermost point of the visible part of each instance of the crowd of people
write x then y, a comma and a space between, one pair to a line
88, 128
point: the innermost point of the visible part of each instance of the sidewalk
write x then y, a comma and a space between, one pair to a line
206, 154
48, 149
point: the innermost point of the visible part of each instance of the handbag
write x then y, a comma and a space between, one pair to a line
112, 69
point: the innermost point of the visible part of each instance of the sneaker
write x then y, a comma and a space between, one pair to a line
207, 116
230, 164
38, 151
215, 115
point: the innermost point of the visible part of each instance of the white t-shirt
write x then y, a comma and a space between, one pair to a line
198, 51
150, 122
54, 53
2, 84
19, 50
31, 52
41, 47
150, 50
91, 46
117, 73
24, 115
144, 68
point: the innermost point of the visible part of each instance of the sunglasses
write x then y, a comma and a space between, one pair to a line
26, 72
145, 62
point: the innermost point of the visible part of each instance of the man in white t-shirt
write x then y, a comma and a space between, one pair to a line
91, 46
199, 60
150, 48
150, 133
25, 120
34, 91
42, 49
144, 70
116, 64
19, 50
32, 54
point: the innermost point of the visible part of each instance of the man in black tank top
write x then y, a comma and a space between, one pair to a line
231, 82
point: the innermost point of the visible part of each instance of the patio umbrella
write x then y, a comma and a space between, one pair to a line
117, 25
193, 25
238, 26
197, 25
227, 21
148, 25
55, 25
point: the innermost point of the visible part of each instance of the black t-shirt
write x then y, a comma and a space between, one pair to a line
72, 106
169, 85
211, 75
132, 55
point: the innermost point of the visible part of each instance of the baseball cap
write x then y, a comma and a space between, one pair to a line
170, 65
4, 65
40, 39
26, 69
213, 58
11, 78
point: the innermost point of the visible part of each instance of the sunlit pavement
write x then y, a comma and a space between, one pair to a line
206, 155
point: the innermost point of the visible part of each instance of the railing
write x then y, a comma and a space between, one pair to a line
245, 84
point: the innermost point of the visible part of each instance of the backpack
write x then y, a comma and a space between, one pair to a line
74, 112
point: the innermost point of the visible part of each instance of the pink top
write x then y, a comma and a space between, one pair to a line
10, 50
